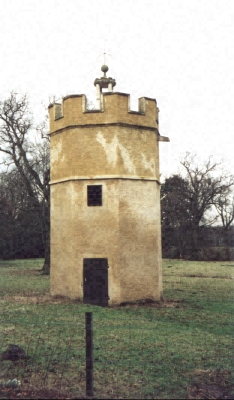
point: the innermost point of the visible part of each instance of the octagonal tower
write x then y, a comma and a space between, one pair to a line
105, 198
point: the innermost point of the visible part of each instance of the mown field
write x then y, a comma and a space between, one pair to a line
181, 348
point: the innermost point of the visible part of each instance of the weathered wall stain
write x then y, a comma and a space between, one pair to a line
112, 153
148, 164
55, 152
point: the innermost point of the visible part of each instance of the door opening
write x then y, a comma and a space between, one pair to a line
95, 279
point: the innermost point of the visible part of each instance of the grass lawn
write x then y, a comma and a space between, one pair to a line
181, 348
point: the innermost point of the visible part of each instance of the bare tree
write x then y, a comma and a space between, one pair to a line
175, 216
20, 233
7, 221
26, 150
190, 201
208, 183
225, 209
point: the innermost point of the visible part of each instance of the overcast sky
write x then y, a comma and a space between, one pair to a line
180, 52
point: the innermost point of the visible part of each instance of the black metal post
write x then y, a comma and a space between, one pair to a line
89, 354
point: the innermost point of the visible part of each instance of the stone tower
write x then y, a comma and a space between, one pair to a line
105, 198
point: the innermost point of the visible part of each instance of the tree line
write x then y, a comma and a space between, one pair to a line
191, 201
24, 191
195, 203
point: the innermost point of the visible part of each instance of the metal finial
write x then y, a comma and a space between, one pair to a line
105, 53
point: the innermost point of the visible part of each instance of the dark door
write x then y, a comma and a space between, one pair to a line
95, 278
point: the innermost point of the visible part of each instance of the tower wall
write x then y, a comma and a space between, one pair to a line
123, 151
140, 240
79, 232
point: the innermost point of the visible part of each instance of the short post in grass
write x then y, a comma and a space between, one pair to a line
89, 354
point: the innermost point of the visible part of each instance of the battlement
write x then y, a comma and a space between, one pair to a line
115, 109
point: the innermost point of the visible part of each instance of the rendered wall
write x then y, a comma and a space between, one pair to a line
140, 241
125, 230
79, 231
104, 151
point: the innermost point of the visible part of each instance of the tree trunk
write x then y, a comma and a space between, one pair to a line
195, 234
46, 266
226, 243
45, 220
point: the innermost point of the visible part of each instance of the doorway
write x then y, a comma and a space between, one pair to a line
95, 278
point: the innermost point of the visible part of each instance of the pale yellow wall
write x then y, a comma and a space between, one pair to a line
108, 150
79, 231
126, 228
140, 240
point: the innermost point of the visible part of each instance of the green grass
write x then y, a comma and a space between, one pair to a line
140, 351
21, 277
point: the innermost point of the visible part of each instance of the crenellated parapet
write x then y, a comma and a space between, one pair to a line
115, 109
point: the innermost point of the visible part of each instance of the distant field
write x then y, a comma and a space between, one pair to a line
181, 348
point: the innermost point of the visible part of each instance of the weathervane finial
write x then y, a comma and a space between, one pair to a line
105, 53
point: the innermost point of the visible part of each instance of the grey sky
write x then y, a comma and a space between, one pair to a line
180, 52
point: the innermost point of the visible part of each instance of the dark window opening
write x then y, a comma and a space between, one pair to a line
94, 195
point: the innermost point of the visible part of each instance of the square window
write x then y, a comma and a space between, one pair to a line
94, 194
